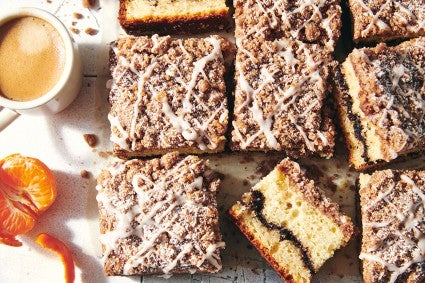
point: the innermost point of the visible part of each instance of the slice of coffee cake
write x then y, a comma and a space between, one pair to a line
159, 216
139, 17
393, 220
376, 20
381, 102
168, 95
312, 21
294, 226
280, 98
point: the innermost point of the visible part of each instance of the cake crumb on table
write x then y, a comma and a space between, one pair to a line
90, 139
85, 174
88, 3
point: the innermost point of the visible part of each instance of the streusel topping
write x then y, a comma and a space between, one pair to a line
314, 21
387, 19
168, 93
279, 98
393, 217
159, 216
393, 102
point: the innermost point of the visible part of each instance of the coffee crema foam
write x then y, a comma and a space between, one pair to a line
32, 58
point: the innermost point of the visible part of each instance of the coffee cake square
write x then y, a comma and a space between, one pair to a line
381, 102
308, 21
291, 222
142, 17
393, 220
159, 216
281, 89
379, 21
168, 94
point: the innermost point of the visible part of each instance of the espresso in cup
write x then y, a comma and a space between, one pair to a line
32, 58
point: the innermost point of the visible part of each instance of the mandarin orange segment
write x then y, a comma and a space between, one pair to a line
15, 219
27, 188
32, 181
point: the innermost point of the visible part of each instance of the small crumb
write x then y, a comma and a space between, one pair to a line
90, 139
74, 23
255, 271
103, 154
88, 3
49, 1
91, 31
85, 174
245, 182
78, 16
74, 30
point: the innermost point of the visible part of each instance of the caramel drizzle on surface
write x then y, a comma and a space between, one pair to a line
405, 228
177, 112
155, 222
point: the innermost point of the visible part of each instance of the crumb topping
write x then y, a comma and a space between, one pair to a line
393, 18
393, 219
168, 93
314, 21
394, 102
159, 216
280, 91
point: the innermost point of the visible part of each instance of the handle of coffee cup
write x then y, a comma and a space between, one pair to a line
6, 117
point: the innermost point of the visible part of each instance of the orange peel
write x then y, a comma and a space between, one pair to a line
27, 189
47, 241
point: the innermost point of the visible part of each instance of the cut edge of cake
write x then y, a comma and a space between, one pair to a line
183, 22
368, 145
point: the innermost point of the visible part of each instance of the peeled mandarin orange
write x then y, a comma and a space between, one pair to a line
27, 188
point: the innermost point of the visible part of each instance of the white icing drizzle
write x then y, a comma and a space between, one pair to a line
121, 139
156, 221
390, 12
375, 22
289, 19
410, 215
247, 96
181, 119
398, 100
143, 77
211, 256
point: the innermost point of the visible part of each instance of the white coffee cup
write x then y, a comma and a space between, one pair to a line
68, 84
